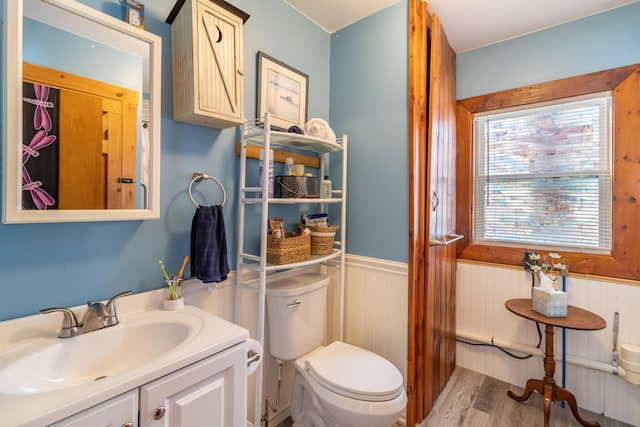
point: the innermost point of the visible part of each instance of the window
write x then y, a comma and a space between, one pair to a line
543, 175
622, 260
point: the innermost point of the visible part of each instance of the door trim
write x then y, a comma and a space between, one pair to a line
419, 26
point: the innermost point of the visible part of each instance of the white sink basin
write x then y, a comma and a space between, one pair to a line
69, 362
44, 379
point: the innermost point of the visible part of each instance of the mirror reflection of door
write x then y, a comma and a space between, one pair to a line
97, 140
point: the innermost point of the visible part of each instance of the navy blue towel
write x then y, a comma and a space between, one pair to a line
209, 261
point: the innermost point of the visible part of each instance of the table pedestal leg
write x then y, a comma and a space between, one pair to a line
566, 395
532, 385
548, 388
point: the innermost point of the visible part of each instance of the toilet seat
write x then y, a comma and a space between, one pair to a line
355, 373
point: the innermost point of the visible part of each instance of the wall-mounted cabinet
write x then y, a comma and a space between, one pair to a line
206, 38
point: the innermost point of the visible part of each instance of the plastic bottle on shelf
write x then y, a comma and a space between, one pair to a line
288, 167
270, 172
325, 188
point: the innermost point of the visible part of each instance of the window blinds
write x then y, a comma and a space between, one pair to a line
543, 175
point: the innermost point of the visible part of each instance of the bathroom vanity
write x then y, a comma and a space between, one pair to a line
154, 368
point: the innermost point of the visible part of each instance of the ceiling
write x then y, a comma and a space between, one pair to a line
469, 24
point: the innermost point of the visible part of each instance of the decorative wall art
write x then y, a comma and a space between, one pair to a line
282, 91
40, 148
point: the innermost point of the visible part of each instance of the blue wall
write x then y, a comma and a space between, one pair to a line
45, 265
595, 43
369, 103
40, 45
359, 75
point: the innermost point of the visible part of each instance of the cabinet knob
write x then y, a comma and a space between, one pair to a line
159, 413
241, 72
127, 424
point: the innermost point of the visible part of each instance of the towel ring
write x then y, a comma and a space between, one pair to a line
199, 176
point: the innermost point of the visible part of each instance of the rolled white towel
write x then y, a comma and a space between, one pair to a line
319, 128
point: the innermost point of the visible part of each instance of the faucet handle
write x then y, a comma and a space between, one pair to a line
111, 307
69, 326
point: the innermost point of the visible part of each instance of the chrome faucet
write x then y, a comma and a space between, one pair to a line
97, 316
94, 317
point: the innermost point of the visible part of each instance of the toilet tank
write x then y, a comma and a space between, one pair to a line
297, 307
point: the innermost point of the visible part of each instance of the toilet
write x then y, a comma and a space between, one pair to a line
334, 385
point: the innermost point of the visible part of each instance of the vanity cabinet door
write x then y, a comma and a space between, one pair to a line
209, 393
207, 65
121, 411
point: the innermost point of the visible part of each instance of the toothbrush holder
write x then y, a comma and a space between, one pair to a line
170, 302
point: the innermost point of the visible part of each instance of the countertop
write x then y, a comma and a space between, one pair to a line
19, 336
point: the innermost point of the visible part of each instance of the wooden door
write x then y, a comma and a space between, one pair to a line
442, 217
432, 261
97, 141
92, 154
82, 174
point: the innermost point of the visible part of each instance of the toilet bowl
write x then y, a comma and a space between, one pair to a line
346, 386
334, 385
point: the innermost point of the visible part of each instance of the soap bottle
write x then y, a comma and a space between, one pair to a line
288, 167
325, 188
270, 172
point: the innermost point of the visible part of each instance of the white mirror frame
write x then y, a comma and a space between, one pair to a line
12, 212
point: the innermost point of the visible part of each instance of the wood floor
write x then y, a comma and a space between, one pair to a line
475, 400
472, 399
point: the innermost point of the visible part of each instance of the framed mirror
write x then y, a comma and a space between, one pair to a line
81, 115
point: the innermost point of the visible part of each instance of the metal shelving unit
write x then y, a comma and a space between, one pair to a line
255, 132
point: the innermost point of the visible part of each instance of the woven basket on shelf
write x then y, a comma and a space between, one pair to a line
286, 251
322, 239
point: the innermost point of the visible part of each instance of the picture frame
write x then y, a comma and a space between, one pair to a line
283, 92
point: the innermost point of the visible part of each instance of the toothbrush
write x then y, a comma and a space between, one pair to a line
166, 277
184, 263
164, 271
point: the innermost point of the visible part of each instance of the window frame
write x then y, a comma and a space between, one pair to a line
600, 104
624, 84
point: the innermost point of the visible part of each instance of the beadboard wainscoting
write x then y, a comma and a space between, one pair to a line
375, 318
376, 297
481, 293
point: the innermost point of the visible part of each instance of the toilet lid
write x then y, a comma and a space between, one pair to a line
354, 372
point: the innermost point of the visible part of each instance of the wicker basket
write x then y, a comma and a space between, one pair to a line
286, 251
322, 239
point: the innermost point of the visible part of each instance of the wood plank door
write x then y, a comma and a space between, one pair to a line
82, 170
93, 154
432, 255
98, 139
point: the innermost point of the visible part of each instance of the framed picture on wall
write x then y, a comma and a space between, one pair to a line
282, 91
